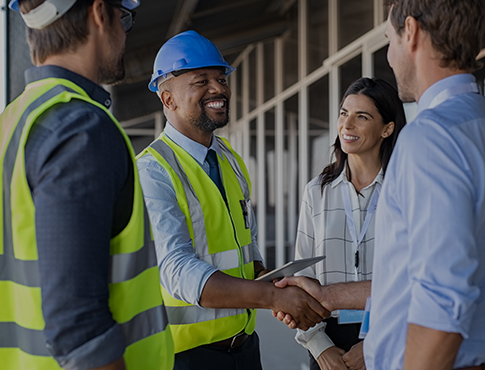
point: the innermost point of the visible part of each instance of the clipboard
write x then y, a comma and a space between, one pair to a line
290, 268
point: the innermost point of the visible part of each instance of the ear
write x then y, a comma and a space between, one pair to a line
411, 32
167, 100
388, 130
98, 15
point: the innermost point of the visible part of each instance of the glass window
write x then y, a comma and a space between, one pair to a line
381, 67
319, 150
239, 89
317, 33
252, 79
269, 70
349, 72
252, 164
270, 181
355, 17
290, 49
291, 194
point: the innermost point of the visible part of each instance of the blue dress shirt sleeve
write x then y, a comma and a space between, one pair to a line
443, 249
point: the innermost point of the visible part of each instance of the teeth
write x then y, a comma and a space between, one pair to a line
348, 137
215, 104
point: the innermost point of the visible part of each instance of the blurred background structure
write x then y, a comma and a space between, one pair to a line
294, 60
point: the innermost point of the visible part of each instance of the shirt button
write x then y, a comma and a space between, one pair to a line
107, 102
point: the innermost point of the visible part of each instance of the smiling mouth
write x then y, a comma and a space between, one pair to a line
216, 104
349, 137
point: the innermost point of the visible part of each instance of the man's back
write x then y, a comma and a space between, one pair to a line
431, 228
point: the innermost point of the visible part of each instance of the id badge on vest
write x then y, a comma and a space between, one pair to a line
246, 210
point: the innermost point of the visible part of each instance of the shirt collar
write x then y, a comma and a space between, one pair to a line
95, 92
343, 178
441, 85
195, 149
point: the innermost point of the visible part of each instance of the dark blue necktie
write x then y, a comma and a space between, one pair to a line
214, 170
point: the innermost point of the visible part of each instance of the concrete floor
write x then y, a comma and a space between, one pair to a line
279, 351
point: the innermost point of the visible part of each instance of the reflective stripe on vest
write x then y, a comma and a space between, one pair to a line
134, 273
193, 326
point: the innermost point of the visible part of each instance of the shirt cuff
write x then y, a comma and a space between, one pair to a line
99, 351
314, 339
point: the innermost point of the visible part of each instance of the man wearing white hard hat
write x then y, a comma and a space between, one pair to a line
197, 190
78, 275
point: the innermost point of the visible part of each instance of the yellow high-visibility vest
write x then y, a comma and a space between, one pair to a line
135, 300
220, 234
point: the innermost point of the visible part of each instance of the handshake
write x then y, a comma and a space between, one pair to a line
305, 304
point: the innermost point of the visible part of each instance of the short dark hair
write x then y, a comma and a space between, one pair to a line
387, 102
65, 34
455, 27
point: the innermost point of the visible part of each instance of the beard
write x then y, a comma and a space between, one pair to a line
207, 124
113, 71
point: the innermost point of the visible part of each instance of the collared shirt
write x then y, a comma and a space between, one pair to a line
182, 274
323, 230
429, 266
79, 172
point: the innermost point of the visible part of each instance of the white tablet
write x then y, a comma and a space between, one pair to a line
290, 268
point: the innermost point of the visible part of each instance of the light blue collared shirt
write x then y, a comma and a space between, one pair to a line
429, 262
182, 274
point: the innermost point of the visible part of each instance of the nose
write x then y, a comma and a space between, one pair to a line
346, 122
217, 87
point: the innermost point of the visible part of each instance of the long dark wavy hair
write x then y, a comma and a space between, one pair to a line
390, 107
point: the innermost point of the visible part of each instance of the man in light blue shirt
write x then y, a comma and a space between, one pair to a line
428, 289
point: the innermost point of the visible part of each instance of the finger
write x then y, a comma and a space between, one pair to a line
288, 280
292, 325
275, 314
281, 316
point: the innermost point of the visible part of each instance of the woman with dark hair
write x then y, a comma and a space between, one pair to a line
336, 218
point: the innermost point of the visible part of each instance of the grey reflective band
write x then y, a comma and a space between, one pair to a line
29, 341
184, 315
195, 209
18, 271
227, 260
146, 323
126, 266
46, 13
33, 342
235, 166
21, 272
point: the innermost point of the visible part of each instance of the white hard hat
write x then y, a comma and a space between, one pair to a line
51, 10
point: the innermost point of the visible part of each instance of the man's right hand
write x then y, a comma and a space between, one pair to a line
331, 359
311, 286
305, 310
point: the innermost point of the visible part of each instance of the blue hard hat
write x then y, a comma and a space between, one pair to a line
187, 50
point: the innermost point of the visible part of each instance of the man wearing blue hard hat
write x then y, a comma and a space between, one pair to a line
197, 190
78, 275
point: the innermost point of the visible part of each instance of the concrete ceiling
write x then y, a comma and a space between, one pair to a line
231, 25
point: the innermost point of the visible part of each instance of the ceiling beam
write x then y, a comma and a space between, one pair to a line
182, 14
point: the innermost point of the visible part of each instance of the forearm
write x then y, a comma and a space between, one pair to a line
430, 349
348, 296
224, 291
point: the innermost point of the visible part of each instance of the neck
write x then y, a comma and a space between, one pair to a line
192, 132
429, 69
363, 169
84, 61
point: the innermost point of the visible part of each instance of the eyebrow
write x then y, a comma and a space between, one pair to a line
359, 112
